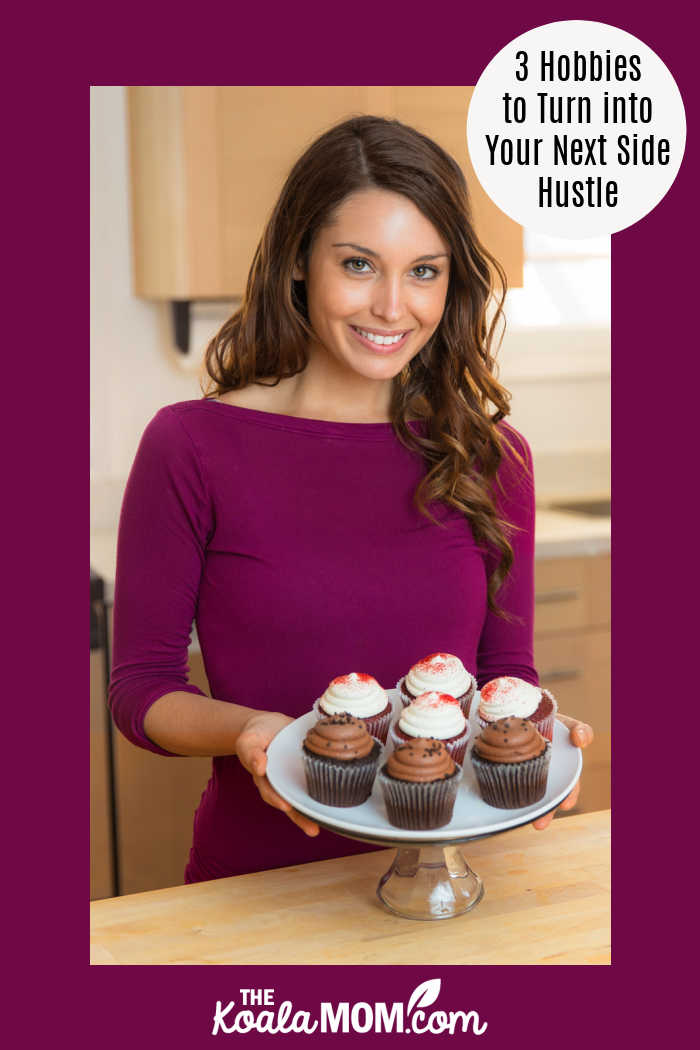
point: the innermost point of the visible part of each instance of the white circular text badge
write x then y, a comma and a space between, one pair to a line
576, 129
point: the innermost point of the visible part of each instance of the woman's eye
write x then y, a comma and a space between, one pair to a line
363, 266
425, 273
357, 265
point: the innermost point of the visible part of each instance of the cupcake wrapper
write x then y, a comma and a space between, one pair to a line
465, 701
377, 725
545, 726
512, 785
335, 783
457, 747
419, 807
406, 697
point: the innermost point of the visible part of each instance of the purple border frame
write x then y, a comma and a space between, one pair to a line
139, 1006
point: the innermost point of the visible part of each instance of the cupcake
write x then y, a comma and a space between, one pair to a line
513, 698
419, 782
511, 762
438, 673
340, 761
361, 696
435, 716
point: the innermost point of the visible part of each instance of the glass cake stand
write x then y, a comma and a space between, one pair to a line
430, 882
429, 877
426, 881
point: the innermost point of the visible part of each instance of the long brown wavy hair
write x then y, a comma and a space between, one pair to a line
451, 384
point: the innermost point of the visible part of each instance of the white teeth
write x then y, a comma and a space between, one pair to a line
381, 340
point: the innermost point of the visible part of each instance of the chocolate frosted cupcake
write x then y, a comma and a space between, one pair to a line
439, 673
511, 762
361, 696
419, 782
340, 761
436, 716
511, 697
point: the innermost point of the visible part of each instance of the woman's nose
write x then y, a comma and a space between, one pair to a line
387, 302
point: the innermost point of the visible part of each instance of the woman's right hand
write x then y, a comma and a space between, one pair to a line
251, 749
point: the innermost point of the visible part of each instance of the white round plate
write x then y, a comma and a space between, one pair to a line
472, 817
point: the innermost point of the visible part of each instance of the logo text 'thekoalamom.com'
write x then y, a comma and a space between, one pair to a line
259, 1013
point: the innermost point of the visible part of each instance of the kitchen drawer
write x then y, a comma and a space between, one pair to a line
595, 778
598, 589
572, 593
560, 594
575, 667
572, 656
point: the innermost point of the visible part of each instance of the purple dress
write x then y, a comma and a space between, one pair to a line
295, 546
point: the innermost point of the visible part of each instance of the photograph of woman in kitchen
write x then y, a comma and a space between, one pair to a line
346, 497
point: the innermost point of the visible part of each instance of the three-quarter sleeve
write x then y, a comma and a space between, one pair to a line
165, 523
506, 643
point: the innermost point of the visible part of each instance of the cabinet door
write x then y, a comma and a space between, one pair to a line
156, 798
572, 656
575, 666
441, 113
101, 882
156, 802
208, 163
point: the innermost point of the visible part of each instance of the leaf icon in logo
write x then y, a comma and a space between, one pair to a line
425, 994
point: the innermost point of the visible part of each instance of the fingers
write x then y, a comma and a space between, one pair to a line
258, 762
269, 795
250, 749
580, 733
252, 755
569, 802
543, 822
309, 827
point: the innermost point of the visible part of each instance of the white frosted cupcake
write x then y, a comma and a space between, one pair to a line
361, 696
433, 716
510, 697
439, 673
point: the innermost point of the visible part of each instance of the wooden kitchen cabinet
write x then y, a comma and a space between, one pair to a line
101, 881
156, 802
572, 655
208, 163
156, 798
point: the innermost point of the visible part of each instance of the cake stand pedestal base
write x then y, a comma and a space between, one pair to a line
429, 882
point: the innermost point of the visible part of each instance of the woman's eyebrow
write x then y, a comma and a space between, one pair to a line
368, 251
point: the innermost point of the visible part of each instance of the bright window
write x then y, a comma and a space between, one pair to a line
566, 283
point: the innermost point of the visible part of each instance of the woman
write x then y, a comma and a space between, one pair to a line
345, 498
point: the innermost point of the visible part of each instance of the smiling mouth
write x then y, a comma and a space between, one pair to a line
383, 340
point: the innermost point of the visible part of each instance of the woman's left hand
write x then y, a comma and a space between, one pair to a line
580, 735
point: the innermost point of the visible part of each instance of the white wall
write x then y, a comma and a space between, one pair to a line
560, 382
559, 379
135, 368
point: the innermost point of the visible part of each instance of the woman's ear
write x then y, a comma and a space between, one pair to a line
298, 271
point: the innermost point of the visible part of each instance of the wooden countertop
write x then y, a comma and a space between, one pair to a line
547, 900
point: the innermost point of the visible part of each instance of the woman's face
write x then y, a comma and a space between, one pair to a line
376, 283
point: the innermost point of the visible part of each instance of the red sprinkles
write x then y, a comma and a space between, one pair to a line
434, 700
435, 662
